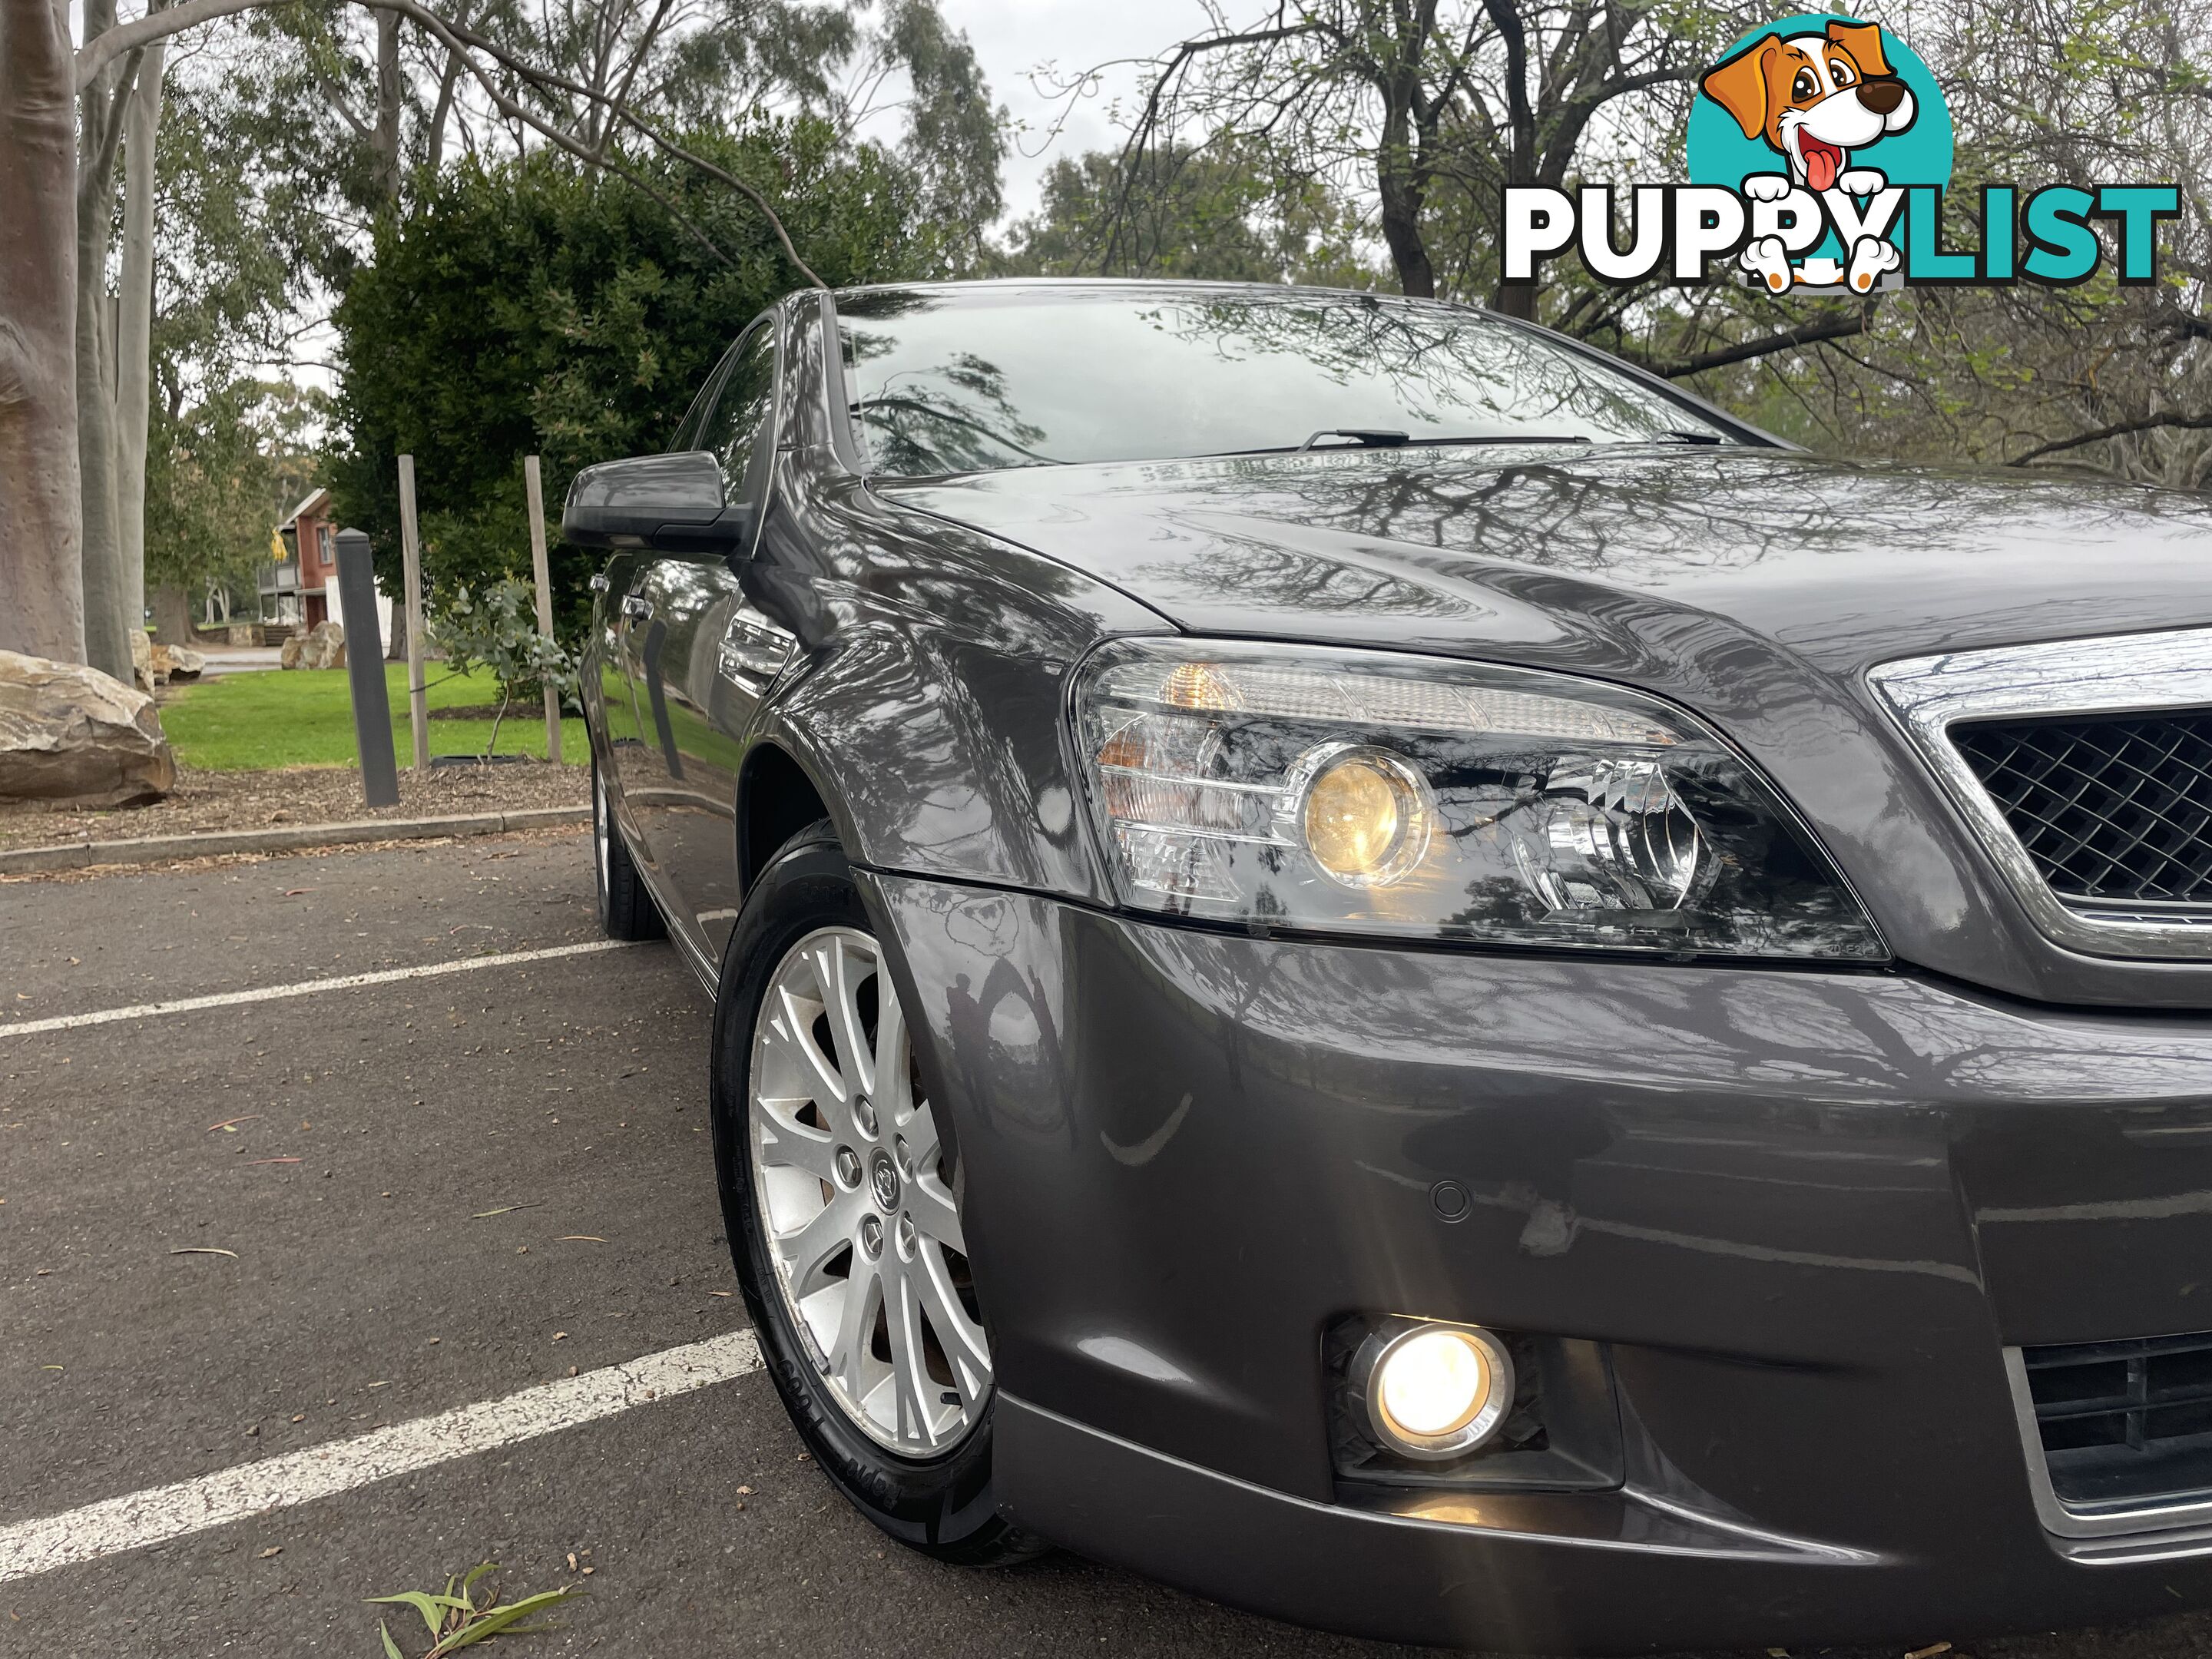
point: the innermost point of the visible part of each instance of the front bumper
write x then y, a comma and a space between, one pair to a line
1808, 1212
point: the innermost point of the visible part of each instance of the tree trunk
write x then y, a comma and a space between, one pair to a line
396, 652
1402, 230
106, 641
107, 638
1402, 191
42, 578
384, 137
433, 137
1515, 300
134, 329
173, 616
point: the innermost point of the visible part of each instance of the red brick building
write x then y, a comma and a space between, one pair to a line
298, 590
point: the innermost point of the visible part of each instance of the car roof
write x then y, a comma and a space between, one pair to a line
1141, 284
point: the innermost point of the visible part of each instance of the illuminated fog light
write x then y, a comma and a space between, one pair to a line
1437, 1391
1364, 815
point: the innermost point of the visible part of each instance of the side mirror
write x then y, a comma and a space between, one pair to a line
669, 503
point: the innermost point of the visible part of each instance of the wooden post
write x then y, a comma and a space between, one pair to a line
535, 487
411, 553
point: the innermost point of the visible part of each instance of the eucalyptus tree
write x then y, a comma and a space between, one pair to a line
602, 76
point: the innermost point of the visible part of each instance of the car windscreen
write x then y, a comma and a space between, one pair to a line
942, 382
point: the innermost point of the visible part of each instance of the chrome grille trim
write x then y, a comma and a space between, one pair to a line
2153, 1514
2114, 674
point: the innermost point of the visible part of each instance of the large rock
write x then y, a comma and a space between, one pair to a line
142, 661
72, 736
178, 662
322, 646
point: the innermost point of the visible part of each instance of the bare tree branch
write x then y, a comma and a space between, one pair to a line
2117, 429
1832, 328
97, 53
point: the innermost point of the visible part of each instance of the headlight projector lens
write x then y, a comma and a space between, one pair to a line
1364, 815
1435, 1391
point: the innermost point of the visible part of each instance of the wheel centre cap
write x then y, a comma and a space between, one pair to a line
883, 1180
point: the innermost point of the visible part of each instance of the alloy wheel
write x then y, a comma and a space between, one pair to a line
855, 1201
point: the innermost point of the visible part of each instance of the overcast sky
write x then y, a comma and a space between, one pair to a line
1013, 37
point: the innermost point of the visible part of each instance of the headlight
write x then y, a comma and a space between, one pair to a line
1369, 793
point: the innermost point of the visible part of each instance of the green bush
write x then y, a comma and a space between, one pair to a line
526, 307
496, 630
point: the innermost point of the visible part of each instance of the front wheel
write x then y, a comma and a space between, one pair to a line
842, 1210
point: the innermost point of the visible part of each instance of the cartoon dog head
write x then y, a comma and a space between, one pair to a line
1814, 97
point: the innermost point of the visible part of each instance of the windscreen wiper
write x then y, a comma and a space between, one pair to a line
1513, 438
1367, 437
1370, 438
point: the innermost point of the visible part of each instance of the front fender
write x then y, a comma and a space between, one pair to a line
925, 700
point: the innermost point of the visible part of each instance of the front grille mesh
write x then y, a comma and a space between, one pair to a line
2125, 1425
2111, 810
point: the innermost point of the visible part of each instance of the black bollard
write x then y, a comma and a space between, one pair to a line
372, 707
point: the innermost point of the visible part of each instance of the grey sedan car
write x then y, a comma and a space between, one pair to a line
1371, 964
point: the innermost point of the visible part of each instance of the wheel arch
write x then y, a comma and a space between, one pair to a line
778, 796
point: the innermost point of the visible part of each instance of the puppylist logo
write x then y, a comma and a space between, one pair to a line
1819, 155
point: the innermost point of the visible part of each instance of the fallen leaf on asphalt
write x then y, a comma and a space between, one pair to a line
205, 1250
50, 1368
274, 1549
1928, 1652
559, 1335
507, 1209
228, 1126
579, 1238
295, 892
456, 1621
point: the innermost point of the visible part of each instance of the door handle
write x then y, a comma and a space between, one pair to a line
636, 606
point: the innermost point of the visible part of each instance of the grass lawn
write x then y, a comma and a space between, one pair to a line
304, 717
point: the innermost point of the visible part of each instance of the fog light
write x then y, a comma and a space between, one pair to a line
1436, 1391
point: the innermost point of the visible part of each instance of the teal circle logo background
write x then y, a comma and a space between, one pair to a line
1719, 154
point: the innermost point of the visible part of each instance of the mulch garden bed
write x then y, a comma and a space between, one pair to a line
305, 794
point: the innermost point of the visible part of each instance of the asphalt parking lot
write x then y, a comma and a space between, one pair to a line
250, 1246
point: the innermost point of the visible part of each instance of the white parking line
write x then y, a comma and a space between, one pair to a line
305, 987
162, 1513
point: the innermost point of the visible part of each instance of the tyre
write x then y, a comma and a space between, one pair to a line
841, 1205
626, 910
